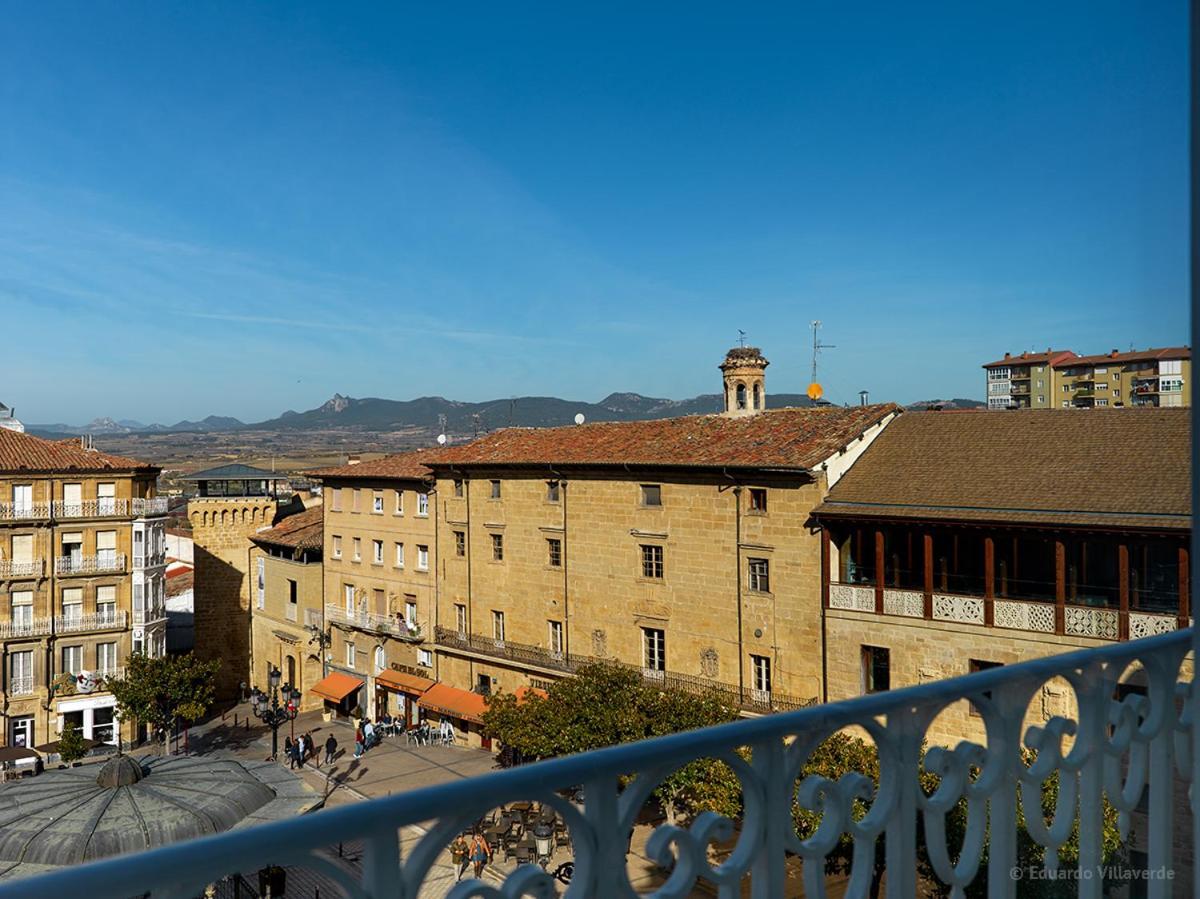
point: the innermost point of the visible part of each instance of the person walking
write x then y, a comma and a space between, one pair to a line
310, 747
287, 750
358, 742
481, 854
330, 748
300, 747
368, 735
459, 855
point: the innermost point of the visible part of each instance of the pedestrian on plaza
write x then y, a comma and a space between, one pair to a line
481, 854
460, 855
310, 747
330, 748
287, 750
301, 750
368, 734
358, 742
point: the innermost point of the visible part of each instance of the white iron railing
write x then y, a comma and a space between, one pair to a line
150, 615
1122, 751
21, 685
89, 564
92, 508
145, 508
9, 568
149, 560
24, 512
93, 621
370, 621
36, 627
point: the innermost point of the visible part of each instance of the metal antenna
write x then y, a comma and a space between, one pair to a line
741, 337
817, 347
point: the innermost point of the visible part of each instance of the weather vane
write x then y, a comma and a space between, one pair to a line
741, 337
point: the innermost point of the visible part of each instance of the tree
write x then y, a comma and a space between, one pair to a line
70, 743
164, 690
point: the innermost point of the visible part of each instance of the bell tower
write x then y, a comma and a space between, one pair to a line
744, 372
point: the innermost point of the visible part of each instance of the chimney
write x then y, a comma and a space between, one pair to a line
1115, 353
1006, 355
863, 398
353, 459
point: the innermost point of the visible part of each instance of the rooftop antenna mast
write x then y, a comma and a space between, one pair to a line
817, 346
741, 338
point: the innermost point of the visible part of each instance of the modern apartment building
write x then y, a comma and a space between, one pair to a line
288, 616
947, 550
1061, 379
82, 583
380, 561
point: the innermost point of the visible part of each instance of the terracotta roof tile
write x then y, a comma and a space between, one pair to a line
1051, 356
1124, 468
24, 452
304, 530
400, 466
779, 438
1147, 355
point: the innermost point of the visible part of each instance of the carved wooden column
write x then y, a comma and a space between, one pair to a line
878, 571
928, 552
1123, 586
1060, 587
989, 580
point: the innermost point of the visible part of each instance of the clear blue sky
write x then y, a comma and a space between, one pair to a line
241, 208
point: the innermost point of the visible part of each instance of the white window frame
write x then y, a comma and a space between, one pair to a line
422, 557
555, 637
377, 502
498, 630
351, 655
422, 505
336, 546
377, 552
654, 649
398, 562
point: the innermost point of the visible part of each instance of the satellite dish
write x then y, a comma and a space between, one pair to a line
579, 419
441, 439
815, 391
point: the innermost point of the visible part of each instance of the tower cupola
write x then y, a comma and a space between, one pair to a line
744, 371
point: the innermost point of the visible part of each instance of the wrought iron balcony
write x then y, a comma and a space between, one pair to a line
95, 621
148, 508
105, 562
1125, 751
24, 512
747, 699
20, 685
35, 627
379, 624
11, 569
93, 508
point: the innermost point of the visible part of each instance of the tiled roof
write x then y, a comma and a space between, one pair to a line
24, 452
304, 530
1147, 355
1125, 468
233, 472
1051, 356
780, 438
180, 583
400, 466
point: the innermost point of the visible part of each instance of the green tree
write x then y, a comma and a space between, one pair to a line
165, 690
70, 743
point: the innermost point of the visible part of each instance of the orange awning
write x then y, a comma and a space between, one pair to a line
456, 703
336, 686
404, 682
524, 693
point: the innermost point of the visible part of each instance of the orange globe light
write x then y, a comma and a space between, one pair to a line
815, 391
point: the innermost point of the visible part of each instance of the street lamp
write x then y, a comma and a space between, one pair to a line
266, 706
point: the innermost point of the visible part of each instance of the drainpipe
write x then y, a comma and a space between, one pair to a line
737, 571
566, 647
470, 618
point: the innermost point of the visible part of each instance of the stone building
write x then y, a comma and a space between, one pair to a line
948, 549
380, 561
82, 571
288, 614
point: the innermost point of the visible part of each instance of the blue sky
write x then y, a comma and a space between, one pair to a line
241, 208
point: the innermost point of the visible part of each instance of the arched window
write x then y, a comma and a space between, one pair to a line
741, 396
290, 670
757, 396
380, 659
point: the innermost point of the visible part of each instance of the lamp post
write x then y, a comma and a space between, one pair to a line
267, 708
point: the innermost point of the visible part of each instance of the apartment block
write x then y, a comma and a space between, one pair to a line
1061, 379
82, 583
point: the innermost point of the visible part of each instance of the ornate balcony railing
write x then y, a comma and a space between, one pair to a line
9, 568
20, 685
92, 508
149, 560
369, 621
94, 621
35, 627
146, 508
24, 512
89, 564
150, 615
1126, 751
743, 698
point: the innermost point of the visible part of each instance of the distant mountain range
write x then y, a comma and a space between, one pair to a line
426, 413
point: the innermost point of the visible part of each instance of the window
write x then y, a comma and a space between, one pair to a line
758, 500
22, 548
1066, 404
1042, 398
22, 611
651, 495
399, 510
380, 659
106, 601
1040, 383
876, 666
20, 669
423, 504
498, 547
760, 673
652, 561
1116, 376
1116, 392
379, 601
498, 625
377, 502
1101, 385
556, 638
460, 543
260, 583
460, 618
410, 612
72, 659
422, 557
377, 552
354, 506
72, 501
998, 374
335, 499
552, 491
1170, 385
23, 499
976, 665
357, 549
337, 546
1170, 367
1038, 369
458, 487
1101, 371
399, 555
741, 396
293, 600
72, 601
554, 545
760, 575
1101, 402
106, 656
106, 547
425, 658
495, 489
348, 597
351, 658
654, 649
1066, 388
